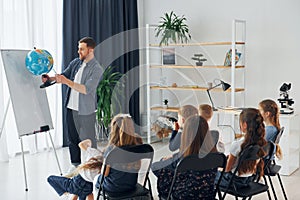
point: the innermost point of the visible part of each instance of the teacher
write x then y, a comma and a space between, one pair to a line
82, 77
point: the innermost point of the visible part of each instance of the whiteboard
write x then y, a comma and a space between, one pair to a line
29, 102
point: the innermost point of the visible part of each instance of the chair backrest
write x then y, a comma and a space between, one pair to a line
248, 154
198, 163
119, 157
279, 134
270, 150
246, 187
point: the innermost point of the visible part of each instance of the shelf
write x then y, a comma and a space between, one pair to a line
196, 44
195, 67
192, 88
171, 109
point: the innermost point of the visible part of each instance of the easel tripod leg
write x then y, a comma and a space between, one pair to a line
55, 153
24, 167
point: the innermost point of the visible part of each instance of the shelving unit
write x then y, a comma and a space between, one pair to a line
192, 88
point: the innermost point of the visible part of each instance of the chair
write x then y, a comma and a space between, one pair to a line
253, 187
279, 134
271, 168
123, 156
196, 163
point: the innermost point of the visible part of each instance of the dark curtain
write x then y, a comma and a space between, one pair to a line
113, 24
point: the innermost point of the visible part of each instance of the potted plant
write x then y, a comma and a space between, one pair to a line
172, 27
165, 105
199, 58
108, 91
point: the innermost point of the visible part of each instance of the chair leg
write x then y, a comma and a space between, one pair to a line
266, 182
282, 188
273, 189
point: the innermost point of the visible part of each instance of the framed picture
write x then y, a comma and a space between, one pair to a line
168, 56
227, 61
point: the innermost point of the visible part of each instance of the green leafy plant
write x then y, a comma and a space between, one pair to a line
109, 91
173, 27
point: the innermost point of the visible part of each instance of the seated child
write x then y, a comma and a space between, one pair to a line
122, 134
192, 184
206, 112
251, 124
80, 184
183, 113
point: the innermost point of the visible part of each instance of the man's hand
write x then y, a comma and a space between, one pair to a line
45, 78
61, 79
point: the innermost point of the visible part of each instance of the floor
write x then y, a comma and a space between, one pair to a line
40, 165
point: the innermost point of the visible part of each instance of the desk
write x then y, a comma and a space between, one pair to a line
289, 144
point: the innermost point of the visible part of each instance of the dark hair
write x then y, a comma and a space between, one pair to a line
270, 106
255, 135
90, 42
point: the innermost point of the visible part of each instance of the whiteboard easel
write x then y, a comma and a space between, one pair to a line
30, 103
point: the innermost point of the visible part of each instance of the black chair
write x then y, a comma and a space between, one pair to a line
279, 134
253, 187
272, 169
125, 156
198, 163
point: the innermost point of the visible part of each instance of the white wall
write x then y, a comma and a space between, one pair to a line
273, 43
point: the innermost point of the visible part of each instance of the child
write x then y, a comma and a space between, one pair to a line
251, 124
270, 112
206, 112
194, 141
81, 184
122, 134
183, 113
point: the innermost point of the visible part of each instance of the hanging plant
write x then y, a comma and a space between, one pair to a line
173, 27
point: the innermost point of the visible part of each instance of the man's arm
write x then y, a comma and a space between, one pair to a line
76, 86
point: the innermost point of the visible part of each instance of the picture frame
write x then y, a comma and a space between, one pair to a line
168, 56
228, 56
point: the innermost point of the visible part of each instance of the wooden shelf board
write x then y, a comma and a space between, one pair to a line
171, 109
196, 44
192, 88
194, 67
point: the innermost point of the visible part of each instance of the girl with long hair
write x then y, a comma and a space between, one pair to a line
80, 182
270, 112
122, 134
251, 124
194, 141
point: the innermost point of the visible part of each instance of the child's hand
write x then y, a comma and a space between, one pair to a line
85, 144
167, 157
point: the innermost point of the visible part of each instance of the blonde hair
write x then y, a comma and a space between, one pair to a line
206, 111
122, 131
187, 111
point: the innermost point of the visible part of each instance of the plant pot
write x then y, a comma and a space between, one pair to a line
199, 63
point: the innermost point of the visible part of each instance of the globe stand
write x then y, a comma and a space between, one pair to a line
47, 84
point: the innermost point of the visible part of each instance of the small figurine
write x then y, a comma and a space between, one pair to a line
165, 103
199, 59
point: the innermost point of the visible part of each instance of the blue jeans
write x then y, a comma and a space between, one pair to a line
76, 185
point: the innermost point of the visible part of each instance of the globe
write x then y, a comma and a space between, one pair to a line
39, 61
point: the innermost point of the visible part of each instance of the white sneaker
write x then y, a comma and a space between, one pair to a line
65, 196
